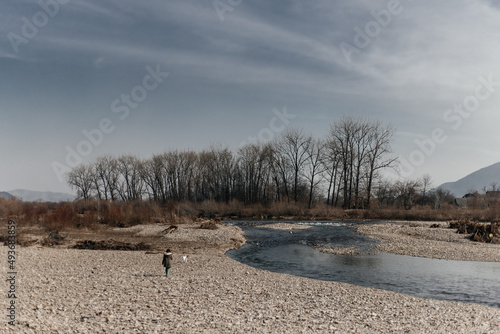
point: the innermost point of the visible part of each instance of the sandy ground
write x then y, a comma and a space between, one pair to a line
418, 239
82, 291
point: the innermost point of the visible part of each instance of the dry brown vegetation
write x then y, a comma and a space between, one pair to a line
110, 245
91, 214
481, 232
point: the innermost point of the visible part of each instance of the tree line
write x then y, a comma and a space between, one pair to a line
341, 169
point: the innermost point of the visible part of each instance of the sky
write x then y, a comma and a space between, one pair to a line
80, 79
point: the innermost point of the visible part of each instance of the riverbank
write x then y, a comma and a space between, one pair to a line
83, 291
419, 239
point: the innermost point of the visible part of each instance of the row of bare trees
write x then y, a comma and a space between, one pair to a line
340, 168
408, 193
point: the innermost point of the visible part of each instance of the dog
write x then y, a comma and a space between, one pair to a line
185, 258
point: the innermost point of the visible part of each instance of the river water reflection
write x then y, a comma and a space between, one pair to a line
292, 253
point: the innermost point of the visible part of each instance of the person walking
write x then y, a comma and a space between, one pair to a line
167, 260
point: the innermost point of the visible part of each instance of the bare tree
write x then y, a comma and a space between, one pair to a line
81, 178
332, 161
361, 137
426, 183
131, 184
293, 167
282, 173
314, 167
293, 146
407, 192
386, 192
379, 156
254, 163
441, 196
342, 135
106, 177
153, 175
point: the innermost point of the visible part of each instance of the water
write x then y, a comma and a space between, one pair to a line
292, 253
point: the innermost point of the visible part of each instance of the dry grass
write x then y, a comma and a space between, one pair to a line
91, 214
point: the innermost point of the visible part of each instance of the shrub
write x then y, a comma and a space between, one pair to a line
64, 215
111, 214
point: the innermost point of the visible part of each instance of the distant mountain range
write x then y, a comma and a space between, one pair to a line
33, 196
477, 180
5, 195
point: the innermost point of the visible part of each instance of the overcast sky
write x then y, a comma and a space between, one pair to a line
233, 66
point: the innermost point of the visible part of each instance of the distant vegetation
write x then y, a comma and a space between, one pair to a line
340, 170
297, 176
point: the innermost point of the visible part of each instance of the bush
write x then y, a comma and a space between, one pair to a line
111, 214
64, 215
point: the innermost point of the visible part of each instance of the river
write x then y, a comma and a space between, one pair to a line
292, 252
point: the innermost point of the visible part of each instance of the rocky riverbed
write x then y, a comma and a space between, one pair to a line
286, 226
84, 291
419, 239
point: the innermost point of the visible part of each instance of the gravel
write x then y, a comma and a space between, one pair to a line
349, 250
83, 291
418, 239
286, 226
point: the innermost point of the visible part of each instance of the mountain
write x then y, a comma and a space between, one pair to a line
5, 195
44, 196
475, 181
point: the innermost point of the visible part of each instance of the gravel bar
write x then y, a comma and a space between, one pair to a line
286, 226
418, 239
84, 291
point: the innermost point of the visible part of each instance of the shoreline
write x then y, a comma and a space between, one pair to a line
81, 291
418, 239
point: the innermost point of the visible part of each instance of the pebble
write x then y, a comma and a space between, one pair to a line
418, 239
212, 293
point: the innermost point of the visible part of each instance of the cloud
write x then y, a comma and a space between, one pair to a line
264, 54
99, 62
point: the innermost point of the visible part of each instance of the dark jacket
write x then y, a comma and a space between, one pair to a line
167, 259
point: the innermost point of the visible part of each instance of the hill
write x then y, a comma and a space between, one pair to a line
44, 196
5, 195
482, 178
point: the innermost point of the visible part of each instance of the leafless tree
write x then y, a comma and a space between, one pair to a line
106, 177
332, 161
294, 167
379, 153
314, 167
152, 172
131, 183
293, 146
81, 178
254, 163
342, 134
407, 192
442, 196
426, 182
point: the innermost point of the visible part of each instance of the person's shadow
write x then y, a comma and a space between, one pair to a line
147, 275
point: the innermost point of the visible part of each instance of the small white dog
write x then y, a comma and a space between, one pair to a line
185, 258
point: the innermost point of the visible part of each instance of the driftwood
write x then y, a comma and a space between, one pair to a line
481, 232
110, 245
170, 229
212, 224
